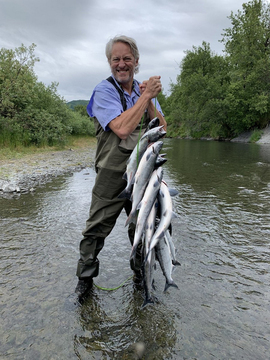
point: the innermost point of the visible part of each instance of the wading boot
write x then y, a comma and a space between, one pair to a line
83, 288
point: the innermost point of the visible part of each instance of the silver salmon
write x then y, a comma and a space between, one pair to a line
169, 241
142, 176
150, 265
165, 261
145, 207
166, 214
149, 137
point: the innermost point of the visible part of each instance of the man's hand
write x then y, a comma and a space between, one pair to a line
151, 87
126, 123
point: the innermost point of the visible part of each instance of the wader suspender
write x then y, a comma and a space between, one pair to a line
121, 92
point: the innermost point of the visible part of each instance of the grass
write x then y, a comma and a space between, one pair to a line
74, 142
255, 136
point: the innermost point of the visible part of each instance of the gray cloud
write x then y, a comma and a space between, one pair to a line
71, 36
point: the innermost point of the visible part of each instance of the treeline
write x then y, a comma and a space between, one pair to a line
30, 112
222, 96
75, 104
216, 96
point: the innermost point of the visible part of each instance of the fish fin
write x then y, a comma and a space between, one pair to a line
159, 163
173, 192
124, 194
139, 205
175, 263
161, 235
125, 176
174, 215
167, 285
160, 177
161, 193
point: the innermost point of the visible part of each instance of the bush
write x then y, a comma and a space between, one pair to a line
255, 136
30, 112
81, 125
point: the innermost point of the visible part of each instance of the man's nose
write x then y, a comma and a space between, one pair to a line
121, 63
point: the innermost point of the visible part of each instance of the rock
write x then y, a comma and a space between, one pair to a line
9, 187
265, 138
243, 138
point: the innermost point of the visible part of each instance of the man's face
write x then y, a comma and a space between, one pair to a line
123, 63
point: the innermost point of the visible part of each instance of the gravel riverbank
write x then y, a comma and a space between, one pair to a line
23, 175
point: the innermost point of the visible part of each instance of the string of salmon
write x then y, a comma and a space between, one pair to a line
122, 284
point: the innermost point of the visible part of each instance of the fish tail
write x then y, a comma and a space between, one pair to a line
124, 194
131, 219
146, 257
133, 254
148, 301
169, 284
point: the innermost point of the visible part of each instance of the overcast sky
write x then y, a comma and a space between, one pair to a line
71, 36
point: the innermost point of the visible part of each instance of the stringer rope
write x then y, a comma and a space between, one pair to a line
115, 288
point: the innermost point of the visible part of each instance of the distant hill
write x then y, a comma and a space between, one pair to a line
73, 103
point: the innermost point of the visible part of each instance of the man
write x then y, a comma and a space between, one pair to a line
117, 104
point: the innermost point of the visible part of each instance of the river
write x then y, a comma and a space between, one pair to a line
221, 309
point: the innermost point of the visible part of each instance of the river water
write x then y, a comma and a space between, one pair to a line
221, 309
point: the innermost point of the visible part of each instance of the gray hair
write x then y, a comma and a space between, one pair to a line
126, 40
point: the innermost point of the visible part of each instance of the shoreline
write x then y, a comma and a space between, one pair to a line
245, 137
20, 176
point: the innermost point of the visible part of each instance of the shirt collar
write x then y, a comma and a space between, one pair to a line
135, 86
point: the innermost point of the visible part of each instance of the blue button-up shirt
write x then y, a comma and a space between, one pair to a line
105, 103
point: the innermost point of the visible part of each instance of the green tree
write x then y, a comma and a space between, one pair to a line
30, 112
17, 79
247, 49
196, 103
222, 96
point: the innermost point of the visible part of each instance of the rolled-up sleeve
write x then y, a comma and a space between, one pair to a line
105, 104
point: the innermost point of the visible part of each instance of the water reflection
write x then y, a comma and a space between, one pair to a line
114, 327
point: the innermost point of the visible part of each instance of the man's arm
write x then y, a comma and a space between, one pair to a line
127, 122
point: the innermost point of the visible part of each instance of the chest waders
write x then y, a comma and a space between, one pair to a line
112, 154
